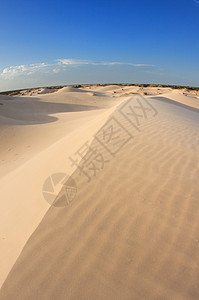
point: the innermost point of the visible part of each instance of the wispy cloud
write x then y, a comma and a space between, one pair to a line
66, 61
12, 72
72, 62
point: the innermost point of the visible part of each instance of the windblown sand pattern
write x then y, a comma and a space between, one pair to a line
132, 232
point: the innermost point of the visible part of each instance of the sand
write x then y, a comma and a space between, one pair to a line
131, 231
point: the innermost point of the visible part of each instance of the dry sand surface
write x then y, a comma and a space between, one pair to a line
128, 227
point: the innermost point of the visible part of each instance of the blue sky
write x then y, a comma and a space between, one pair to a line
65, 42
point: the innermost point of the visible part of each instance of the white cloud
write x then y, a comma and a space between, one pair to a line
60, 64
14, 71
71, 61
66, 61
56, 70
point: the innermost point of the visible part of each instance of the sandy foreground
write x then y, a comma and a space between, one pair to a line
120, 166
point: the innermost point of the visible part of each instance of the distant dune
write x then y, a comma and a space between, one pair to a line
131, 230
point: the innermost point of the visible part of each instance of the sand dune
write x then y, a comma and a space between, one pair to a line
21, 133
190, 100
131, 232
27, 148
71, 89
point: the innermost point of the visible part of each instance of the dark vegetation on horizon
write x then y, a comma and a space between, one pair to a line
57, 87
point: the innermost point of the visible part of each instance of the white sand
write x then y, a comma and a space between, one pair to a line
132, 232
